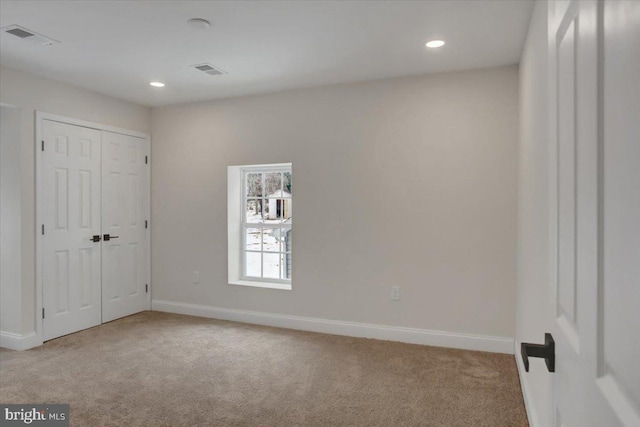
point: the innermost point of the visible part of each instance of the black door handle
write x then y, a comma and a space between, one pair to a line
95, 238
547, 351
107, 237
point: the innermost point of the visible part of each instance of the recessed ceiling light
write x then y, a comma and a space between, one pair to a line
435, 43
157, 84
199, 23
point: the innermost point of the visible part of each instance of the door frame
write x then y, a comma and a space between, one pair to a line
40, 117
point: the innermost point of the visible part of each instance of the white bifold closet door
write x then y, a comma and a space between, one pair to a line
70, 197
125, 198
93, 184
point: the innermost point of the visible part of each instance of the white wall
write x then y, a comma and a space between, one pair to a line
32, 93
10, 221
420, 177
533, 309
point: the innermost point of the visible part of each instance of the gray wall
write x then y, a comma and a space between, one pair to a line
10, 221
408, 182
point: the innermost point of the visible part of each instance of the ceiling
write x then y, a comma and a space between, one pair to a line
118, 47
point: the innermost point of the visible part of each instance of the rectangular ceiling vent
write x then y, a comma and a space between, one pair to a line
25, 34
209, 69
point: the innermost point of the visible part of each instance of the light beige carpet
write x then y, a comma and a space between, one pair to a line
157, 369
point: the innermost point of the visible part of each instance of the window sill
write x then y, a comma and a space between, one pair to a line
268, 285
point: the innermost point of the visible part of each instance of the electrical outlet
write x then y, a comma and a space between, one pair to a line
196, 277
395, 293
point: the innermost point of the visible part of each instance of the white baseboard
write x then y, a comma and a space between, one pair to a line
532, 414
19, 342
336, 327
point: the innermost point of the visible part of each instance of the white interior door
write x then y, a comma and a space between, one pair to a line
70, 179
594, 104
125, 190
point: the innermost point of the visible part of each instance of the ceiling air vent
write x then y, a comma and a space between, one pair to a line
209, 69
25, 34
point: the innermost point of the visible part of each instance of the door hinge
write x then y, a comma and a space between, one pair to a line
146, 160
43, 312
146, 288
43, 229
42, 145
146, 223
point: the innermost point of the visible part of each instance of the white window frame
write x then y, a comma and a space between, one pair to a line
236, 215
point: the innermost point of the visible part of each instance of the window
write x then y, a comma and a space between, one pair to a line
263, 224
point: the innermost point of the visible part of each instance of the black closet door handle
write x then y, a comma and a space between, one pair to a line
95, 238
108, 237
546, 351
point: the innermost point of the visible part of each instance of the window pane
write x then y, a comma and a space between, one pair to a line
266, 218
252, 264
273, 184
254, 210
271, 265
252, 239
271, 240
254, 184
287, 182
